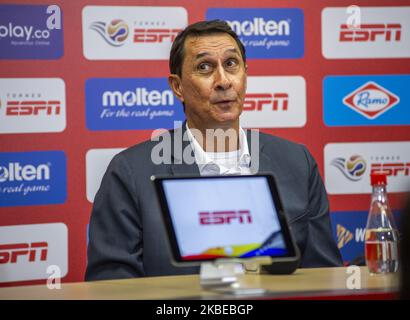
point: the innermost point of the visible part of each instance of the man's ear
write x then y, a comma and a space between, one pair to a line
175, 83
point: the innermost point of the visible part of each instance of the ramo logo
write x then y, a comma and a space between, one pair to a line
366, 100
352, 168
266, 33
29, 178
114, 33
371, 100
129, 104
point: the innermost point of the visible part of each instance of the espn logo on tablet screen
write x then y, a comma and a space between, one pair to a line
225, 217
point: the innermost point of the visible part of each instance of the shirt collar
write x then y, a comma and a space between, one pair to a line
203, 160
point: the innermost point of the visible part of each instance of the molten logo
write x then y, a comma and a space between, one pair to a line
9, 253
139, 97
371, 100
260, 27
155, 35
344, 236
370, 33
392, 169
29, 108
225, 217
256, 101
16, 172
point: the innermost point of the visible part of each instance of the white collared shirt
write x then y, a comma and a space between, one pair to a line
222, 163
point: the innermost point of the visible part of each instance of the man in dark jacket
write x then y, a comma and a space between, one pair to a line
208, 74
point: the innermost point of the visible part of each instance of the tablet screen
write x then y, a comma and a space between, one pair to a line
223, 217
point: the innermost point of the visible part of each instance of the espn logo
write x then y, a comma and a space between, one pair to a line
134, 32
155, 35
225, 217
29, 105
27, 251
9, 253
350, 173
391, 169
256, 101
274, 102
371, 32
27, 108
381, 32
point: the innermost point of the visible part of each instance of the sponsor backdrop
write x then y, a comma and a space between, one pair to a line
82, 80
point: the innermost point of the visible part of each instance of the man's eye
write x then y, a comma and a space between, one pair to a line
231, 63
203, 67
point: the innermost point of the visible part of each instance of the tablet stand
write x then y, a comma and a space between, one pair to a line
225, 274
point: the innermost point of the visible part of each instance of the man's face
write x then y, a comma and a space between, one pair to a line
213, 81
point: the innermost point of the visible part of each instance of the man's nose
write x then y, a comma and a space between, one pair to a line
222, 79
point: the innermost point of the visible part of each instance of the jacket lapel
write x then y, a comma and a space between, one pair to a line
260, 162
181, 146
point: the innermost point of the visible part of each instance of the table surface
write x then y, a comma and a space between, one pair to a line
304, 283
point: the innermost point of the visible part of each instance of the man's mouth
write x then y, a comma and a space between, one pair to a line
224, 102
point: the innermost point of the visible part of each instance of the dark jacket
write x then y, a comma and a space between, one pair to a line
127, 237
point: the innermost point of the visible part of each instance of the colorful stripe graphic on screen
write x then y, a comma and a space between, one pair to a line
237, 251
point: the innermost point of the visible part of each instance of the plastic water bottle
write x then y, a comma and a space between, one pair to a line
381, 243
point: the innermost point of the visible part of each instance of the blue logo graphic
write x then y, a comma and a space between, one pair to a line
32, 178
131, 104
349, 231
266, 33
31, 32
352, 168
366, 100
115, 33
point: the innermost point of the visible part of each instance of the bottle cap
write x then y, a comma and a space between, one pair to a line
377, 178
